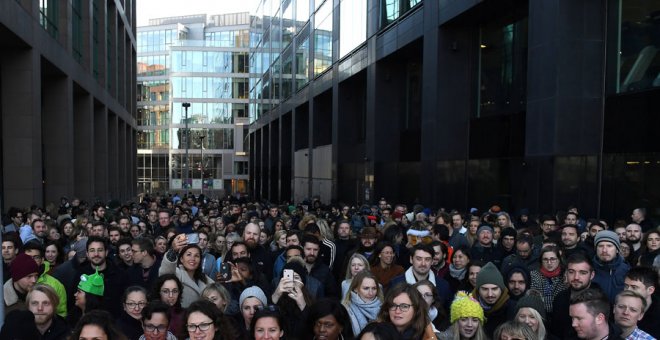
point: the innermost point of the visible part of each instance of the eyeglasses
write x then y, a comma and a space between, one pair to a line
132, 305
169, 292
427, 295
204, 326
404, 307
549, 260
155, 329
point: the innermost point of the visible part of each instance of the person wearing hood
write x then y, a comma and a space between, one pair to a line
493, 296
518, 280
608, 264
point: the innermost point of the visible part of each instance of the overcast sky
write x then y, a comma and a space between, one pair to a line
151, 9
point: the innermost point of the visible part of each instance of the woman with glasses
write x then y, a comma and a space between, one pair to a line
549, 279
155, 322
437, 313
204, 321
167, 288
363, 301
133, 301
405, 309
267, 324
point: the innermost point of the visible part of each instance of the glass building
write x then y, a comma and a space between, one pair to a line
525, 103
200, 60
67, 101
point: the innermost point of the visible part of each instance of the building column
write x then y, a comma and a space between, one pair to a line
57, 134
83, 149
21, 116
113, 156
101, 152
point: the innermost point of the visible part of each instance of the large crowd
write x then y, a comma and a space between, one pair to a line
191, 267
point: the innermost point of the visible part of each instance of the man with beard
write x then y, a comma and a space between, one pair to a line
343, 243
99, 212
518, 281
258, 254
24, 274
507, 243
484, 249
526, 255
579, 275
421, 259
590, 312
634, 236
609, 266
570, 241
493, 295
40, 321
316, 268
124, 224
365, 247
37, 231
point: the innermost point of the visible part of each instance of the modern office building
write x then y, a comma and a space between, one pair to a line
67, 80
198, 61
537, 104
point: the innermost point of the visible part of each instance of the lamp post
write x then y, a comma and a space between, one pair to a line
201, 164
187, 134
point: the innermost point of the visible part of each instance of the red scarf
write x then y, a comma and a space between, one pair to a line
550, 274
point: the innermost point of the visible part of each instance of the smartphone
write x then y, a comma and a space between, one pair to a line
193, 238
288, 274
225, 271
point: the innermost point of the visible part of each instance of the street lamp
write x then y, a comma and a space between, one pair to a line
201, 164
186, 132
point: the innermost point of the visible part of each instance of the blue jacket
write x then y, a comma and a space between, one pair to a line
610, 276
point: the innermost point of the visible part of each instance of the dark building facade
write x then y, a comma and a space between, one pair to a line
532, 104
67, 97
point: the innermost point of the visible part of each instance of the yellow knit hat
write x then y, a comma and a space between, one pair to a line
464, 306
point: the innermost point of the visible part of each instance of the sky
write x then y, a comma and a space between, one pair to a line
151, 9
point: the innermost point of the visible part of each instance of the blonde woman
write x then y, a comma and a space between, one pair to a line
356, 264
363, 301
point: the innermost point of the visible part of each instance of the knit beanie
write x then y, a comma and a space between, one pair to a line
489, 274
255, 292
532, 299
464, 306
609, 236
484, 227
92, 284
22, 266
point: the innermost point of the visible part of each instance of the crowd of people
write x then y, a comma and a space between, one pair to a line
191, 267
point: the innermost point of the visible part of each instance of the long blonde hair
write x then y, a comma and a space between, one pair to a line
478, 335
356, 282
541, 332
367, 267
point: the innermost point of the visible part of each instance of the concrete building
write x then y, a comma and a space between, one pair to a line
525, 103
200, 60
67, 80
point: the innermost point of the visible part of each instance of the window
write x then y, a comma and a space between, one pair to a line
241, 168
352, 26
323, 38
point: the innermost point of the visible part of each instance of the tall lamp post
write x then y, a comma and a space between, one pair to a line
201, 164
187, 134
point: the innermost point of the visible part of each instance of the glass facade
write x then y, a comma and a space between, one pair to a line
49, 16
352, 26
391, 10
638, 39
323, 38
213, 76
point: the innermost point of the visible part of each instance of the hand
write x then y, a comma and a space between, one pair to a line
298, 297
179, 242
284, 287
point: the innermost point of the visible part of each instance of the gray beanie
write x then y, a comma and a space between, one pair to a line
255, 292
484, 227
489, 274
609, 236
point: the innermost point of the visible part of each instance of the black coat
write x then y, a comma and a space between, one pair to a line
561, 320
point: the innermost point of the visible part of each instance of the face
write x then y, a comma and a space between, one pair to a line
583, 322
239, 251
134, 303
156, 327
606, 251
401, 319
490, 293
191, 259
292, 240
633, 233
523, 249
327, 328
114, 236
153, 217
161, 245
459, 260
628, 311
550, 261
508, 242
80, 299
638, 287
203, 240
637, 216
53, 234
517, 284
550, 225
485, 237
653, 242
281, 242
164, 219
41, 307
427, 294
251, 235
267, 328
92, 332
502, 221
200, 326
570, 219
356, 266
367, 290
595, 229
579, 275
96, 253
311, 252
473, 271
569, 237
169, 292
9, 251
438, 256
263, 238
467, 327
68, 228
621, 232
344, 230
456, 221
509, 336
249, 307
526, 316
625, 250
124, 224
51, 253
421, 262
474, 226
126, 253
368, 242
217, 300
40, 229
386, 256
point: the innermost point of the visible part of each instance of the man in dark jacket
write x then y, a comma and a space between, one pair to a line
609, 266
40, 321
493, 295
484, 249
